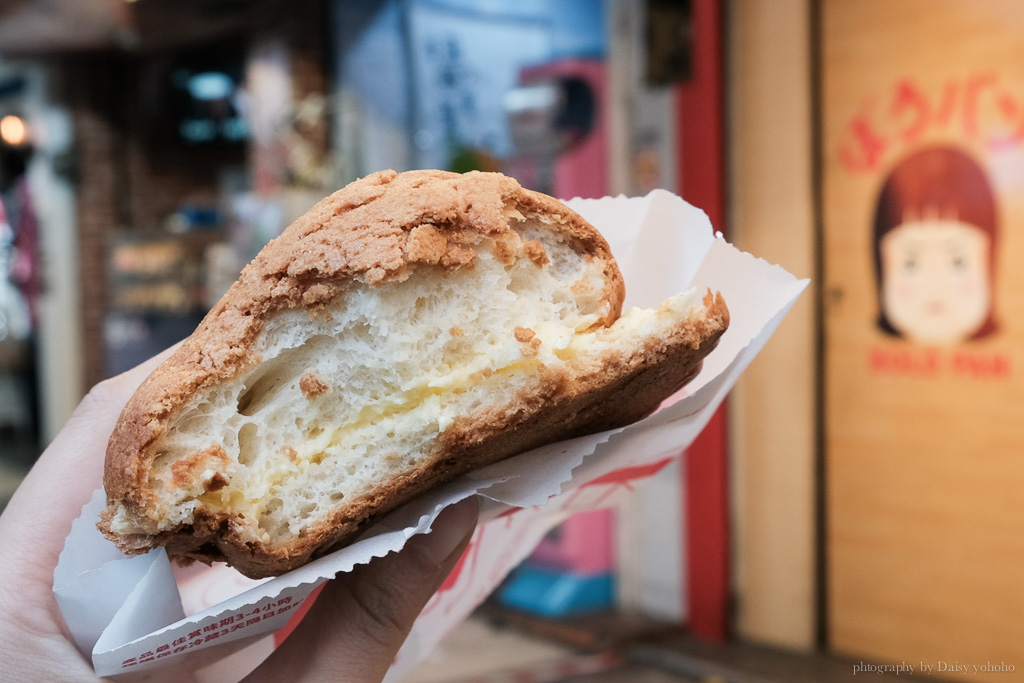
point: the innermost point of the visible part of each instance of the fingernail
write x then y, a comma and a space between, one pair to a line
449, 530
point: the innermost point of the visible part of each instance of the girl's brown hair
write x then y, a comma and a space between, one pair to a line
937, 182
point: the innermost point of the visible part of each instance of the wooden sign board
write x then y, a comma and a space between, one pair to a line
923, 143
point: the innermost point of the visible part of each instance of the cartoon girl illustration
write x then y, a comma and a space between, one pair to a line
935, 245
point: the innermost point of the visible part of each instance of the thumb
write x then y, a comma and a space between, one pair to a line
360, 619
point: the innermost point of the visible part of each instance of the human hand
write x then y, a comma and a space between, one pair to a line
351, 633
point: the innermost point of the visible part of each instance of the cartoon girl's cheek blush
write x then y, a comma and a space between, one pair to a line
970, 275
935, 234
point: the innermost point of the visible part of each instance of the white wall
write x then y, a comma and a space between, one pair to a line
59, 360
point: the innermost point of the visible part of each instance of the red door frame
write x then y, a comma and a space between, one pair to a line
700, 154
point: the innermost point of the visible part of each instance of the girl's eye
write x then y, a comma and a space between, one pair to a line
910, 264
958, 263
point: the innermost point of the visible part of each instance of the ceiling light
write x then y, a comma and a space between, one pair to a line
13, 130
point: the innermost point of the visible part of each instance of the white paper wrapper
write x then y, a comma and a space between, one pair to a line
137, 619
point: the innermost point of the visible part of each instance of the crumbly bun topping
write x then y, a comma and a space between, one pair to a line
408, 328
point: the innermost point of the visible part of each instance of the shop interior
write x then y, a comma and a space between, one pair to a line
856, 503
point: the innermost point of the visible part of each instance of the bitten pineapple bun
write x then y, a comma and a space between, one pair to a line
409, 328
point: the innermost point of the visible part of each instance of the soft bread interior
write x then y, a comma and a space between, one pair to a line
358, 393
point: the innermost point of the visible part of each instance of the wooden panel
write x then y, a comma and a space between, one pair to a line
924, 461
773, 405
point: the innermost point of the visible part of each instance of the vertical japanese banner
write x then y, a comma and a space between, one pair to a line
923, 208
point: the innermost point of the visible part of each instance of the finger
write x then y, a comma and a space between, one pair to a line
71, 468
360, 619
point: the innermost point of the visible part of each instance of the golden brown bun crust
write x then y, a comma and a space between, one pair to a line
372, 231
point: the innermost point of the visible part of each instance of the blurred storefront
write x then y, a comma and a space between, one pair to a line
176, 139
858, 497
570, 99
38, 304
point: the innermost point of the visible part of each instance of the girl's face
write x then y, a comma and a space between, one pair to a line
935, 280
